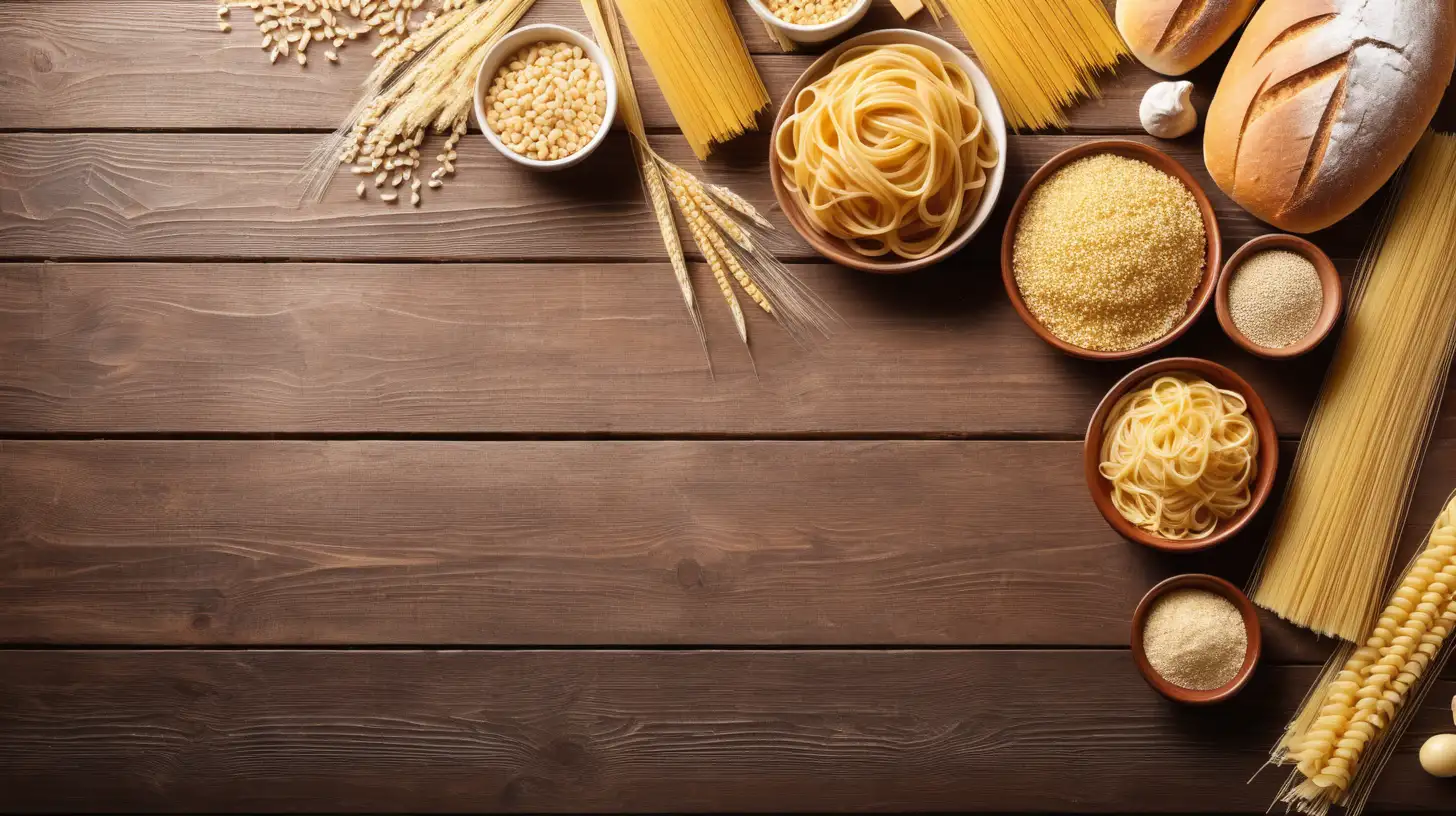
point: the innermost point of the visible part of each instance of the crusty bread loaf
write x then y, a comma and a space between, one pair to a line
1322, 101
1174, 36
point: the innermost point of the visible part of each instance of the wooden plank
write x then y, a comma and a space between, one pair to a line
643, 731
267, 543
569, 349
744, 543
233, 195
69, 65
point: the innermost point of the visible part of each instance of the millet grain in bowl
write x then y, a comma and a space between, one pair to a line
1275, 297
547, 101
1108, 253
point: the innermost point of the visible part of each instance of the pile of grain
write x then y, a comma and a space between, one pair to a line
809, 12
547, 101
1195, 639
1275, 298
1108, 253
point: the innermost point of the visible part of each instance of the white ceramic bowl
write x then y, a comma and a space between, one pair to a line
812, 33
990, 106
515, 41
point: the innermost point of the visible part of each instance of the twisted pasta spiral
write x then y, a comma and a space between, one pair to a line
1367, 693
1180, 455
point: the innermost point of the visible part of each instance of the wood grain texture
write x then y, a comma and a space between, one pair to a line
172, 195
555, 543
536, 349
71, 65
631, 731
346, 543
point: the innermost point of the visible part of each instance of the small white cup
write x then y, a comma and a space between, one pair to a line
505, 49
812, 33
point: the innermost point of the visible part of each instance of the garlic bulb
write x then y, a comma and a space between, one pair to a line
1167, 111
1438, 755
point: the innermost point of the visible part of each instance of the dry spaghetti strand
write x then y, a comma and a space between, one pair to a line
1042, 57
697, 54
1332, 543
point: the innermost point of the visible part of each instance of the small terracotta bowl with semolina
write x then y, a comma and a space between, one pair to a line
604, 105
1333, 299
1252, 631
1202, 292
1261, 484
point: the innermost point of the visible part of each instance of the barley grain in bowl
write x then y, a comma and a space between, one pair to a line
545, 97
1111, 251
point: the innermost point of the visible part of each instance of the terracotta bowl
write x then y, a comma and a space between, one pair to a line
1216, 585
1162, 161
837, 250
1329, 282
1223, 378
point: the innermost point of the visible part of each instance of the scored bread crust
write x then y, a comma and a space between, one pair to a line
1323, 100
1173, 37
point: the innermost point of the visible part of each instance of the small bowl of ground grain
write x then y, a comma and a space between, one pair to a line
1279, 296
1112, 250
1196, 639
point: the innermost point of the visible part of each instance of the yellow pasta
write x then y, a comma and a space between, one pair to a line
1180, 454
1331, 545
698, 57
1349, 724
888, 151
1041, 56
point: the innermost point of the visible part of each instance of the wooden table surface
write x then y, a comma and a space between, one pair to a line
351, 508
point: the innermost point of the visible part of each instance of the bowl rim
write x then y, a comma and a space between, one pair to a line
833, 249
509, 44
1219, 375
860, 7
1213, 243
1333, 293
1252, 628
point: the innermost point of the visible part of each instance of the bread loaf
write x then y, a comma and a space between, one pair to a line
1322, 101
1174, 36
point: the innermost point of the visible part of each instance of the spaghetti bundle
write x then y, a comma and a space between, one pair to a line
1180, 454
888, 151
1332, 544
698, 57
1354, 716
1040, 56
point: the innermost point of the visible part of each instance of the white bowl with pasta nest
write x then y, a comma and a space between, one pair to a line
836, 231
813, 32
523, 37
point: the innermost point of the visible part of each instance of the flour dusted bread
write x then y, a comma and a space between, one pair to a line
1322, 101
1174, 36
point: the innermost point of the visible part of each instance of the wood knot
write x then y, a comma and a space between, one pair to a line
41, 62
689, 574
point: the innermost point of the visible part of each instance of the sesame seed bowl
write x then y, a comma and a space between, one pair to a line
1202, 293
503, 53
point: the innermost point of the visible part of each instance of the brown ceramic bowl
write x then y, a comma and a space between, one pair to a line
1162, 161
837, 250
1223, 378
1216, 585
1329, 282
